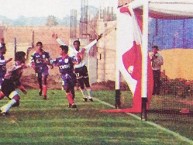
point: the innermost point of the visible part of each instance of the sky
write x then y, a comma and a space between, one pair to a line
37, 8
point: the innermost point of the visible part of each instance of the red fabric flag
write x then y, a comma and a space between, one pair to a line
132, 62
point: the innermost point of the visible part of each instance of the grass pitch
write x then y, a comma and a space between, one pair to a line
51, 122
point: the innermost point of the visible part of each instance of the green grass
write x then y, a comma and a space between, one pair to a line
165, 111
51, 122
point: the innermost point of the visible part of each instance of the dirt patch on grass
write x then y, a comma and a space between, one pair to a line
54, 82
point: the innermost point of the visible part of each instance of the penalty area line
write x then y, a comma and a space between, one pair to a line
177, 135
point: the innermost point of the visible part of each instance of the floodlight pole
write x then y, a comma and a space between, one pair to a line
144, 59
15, 47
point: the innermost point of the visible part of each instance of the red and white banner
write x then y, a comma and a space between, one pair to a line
130, 58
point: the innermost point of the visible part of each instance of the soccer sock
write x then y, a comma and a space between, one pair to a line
89, 92
1, 95
70, 99
44, 90
73, 93
7, 106
83, 93
1, 81
40, 83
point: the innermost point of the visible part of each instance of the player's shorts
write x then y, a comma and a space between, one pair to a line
2, 74
41, 71
68, 82
7, 87
81, 72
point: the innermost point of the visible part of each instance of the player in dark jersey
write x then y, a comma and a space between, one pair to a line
40, 61
12, 82
3, 61
65, 64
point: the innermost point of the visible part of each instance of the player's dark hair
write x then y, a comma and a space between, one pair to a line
76, 41
20, 56
64, 48
156, 47
39, 43
2, 48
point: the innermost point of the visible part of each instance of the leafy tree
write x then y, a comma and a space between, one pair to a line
51, 21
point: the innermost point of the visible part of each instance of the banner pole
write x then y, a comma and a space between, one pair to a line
144, 59
117, 72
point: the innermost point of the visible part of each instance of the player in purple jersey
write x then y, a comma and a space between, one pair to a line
3, 61
65, 64
40, 60
81, 71
12, 82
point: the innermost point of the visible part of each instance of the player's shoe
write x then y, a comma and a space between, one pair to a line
16, 104
4, 113
73, 106
45, 97
40, 92
69, 105
90, 99
85, 99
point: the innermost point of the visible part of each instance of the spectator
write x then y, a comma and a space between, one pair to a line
157, 62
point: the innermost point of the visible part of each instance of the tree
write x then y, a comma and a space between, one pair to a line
51, 21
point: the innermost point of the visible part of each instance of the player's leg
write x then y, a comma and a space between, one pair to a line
88, 88
73, 83
87, 83
44, 82
1, 81
14, 101
1, 95
79, 78
67, 87
39, 76
7, 88
73, 92
70, 99
82, 88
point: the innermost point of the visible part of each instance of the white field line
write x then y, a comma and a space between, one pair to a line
183, 138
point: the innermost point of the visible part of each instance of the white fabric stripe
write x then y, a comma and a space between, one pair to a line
124, 41
167, 8
14, 93
2, 61
7, 106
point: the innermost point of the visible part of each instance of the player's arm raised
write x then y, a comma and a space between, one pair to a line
90, 45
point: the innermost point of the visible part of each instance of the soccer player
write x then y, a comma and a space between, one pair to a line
65, 64
40, 60
3, 62
12, 82
81, 68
